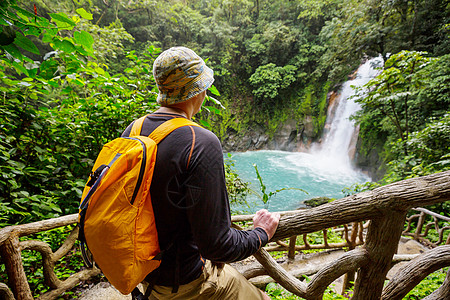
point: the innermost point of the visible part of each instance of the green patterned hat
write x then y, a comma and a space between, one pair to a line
180, 74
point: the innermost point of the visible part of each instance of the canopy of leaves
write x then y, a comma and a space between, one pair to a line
73, 74
405, 110
58, 111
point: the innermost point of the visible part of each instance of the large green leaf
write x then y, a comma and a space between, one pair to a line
63, 21
85, 39
24, 14
214, 90
19, 68
25, 43
65, 46
14, 51
84, 14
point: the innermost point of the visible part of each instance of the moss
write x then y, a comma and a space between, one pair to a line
314, 202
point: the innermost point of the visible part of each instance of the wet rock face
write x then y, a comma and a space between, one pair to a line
291, 135
369, 162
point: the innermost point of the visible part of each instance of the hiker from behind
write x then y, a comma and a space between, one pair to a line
189, 195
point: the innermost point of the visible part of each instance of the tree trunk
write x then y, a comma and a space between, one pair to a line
381, 244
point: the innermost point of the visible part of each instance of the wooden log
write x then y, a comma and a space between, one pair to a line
17, 280
431, 213
349, 277
30, 228
381, 244
292, 241
415, 271
309, 269
285, 247
279, 274
48, 261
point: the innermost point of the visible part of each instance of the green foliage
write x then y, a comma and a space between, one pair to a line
270, 79
277, 292
404, 112
236, 187
393, 92
381, 27
109, 40
56, 115
429, 152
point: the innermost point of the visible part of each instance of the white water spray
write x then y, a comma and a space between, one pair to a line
339, 139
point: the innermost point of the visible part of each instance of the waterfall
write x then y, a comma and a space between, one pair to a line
323, 171
340, 133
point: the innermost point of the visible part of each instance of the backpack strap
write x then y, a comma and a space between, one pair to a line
167, 127
162, 130
137, 126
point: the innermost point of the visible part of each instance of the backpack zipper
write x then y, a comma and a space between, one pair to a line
142, 170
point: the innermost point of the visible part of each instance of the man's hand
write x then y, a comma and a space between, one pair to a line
267, 221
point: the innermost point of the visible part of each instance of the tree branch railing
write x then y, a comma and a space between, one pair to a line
421, 219
386, 209
10, 251
372, 244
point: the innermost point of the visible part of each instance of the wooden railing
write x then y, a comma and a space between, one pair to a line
10, 251
371, 245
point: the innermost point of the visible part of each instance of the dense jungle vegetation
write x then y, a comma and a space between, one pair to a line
73, 74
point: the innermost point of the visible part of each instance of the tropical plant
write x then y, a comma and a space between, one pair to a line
404, 113
266, 196
57, 113
237, 188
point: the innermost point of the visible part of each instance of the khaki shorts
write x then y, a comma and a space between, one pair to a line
215, 283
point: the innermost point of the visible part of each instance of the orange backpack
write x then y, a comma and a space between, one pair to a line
116, 213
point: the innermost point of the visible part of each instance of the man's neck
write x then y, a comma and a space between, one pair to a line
186, 108
173, 110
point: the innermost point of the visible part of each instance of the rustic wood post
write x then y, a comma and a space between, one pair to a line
291, 252
17, 280
420, 223
381, 244
349, 277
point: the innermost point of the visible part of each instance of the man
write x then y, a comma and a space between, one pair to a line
189, 195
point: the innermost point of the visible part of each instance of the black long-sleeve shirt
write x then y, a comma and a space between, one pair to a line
190, 203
